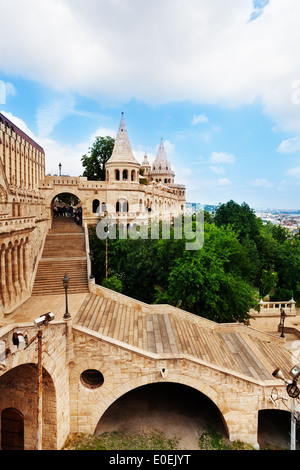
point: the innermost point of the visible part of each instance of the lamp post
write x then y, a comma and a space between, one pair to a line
22, 343
293, 392
91, 264
65, 281
282, 318
106, 252
59, 166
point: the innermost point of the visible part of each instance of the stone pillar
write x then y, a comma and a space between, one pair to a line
9, 278
26, 264
21, 266
4, 291
15, 270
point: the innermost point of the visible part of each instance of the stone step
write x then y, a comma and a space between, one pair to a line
64, 252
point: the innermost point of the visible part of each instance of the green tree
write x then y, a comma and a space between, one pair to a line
268, 282
113, 283
98, 155
241, 218
209, 282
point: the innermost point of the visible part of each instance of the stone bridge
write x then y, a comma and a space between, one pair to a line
113, 344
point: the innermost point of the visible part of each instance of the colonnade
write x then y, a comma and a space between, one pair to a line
14, 269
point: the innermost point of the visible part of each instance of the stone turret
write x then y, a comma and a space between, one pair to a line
122, 165
161, 169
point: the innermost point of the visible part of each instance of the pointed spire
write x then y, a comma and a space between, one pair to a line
122, 152
161, 156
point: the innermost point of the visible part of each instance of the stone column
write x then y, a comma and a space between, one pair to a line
4, 291
21, 265
15, 271
9, 278
26, 264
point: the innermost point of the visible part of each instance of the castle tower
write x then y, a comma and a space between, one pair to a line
122, 165
161, 169
146, 167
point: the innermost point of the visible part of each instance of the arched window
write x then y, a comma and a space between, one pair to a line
133, 175
125, 175
96, 204
122, 205
125, 206
117, 175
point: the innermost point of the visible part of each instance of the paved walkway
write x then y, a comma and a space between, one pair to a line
165, 333
39, 305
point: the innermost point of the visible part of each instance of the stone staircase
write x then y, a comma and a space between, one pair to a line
64, 252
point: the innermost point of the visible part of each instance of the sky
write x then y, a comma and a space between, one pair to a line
217, 80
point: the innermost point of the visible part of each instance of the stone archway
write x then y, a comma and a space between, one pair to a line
12, 430
176, 410
66, 204
274, 430
19, 391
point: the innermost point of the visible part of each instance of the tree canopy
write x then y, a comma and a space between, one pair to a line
98, 155
240, 261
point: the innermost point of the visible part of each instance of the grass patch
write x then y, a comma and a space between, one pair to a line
118, 440
213, 440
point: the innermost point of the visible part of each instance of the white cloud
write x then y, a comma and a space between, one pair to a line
222, 157
294, 172
223, 182
199, 119
157, 52
262, 182
219, 170
289, 145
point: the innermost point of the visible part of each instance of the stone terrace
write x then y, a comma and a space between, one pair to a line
169, 332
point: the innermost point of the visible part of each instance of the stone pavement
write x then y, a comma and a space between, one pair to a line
39, 305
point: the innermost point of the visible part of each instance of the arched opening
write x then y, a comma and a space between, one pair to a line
96, 205
133, 175
92, 378
274, 430
12, 429
125, 175
174, 409
122, 205
117, 175
19, 391
67, 205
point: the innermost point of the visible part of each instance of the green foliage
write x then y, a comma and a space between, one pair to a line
240, 258
213, 440
99, 153
267, 282
118, 440
113, 283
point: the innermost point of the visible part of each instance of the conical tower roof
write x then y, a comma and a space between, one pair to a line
161, 156
122, 152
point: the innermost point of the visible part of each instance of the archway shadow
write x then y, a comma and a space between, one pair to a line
174, 409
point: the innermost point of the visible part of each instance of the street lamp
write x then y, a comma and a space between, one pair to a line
282, 318
106, 251
293, 392
65, 282
91, 264
22, 343
59, 166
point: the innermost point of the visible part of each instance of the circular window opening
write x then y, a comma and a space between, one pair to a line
92, 378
